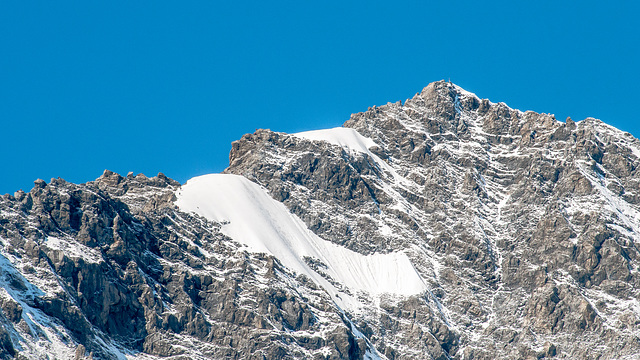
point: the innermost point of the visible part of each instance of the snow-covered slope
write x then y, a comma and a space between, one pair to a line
250, 216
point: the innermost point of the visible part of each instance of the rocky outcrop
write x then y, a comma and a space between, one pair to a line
499, 206
121, 269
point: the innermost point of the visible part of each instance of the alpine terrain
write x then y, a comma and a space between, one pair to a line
444, 227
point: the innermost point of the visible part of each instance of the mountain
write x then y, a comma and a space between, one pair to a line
447, 227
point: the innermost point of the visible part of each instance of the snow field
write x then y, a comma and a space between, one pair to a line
250, 216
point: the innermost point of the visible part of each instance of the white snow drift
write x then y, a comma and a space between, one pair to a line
250, 216
345, 137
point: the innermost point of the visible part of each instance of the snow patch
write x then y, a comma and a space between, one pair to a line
250, 216
352, 140
72, 248
345, 137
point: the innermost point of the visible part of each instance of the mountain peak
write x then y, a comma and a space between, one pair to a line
447, 91
447, 227
443, 107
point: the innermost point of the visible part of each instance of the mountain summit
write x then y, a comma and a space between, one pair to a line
447, 227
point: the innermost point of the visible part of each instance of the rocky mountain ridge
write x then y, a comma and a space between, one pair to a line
522, 230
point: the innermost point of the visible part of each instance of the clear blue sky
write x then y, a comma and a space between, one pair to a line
154, 86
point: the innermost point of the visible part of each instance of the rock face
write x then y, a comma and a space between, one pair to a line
524, 230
